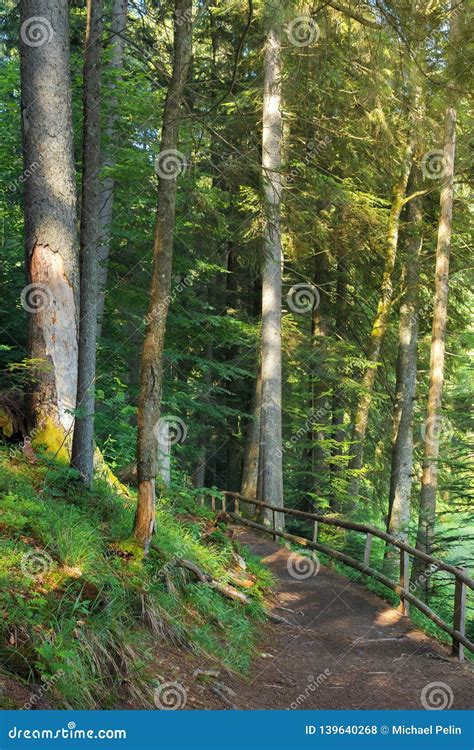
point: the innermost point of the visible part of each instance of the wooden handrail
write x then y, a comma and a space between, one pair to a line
365, 529
403, 593
457, 632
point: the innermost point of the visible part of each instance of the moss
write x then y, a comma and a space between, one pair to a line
130, 549
54, 438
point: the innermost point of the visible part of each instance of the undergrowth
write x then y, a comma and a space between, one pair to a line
80, 606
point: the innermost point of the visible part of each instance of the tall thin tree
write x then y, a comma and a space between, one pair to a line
270, 460
402, 439
109, 149
83, 440
433, 422
379, 326
432, 428
151, 368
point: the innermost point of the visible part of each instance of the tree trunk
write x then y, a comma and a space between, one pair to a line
378, 329
51, 242
432, 425
118, 26
199, 476
249, 482
270, 423
319, 407
338, 431
82, 457
164, 451
402, 441
151, 369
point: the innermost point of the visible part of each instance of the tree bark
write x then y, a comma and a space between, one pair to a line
249, 480
432, 425
151, 369
402, 440
82, 457
319, 408
378, 329
51, 242
270, 463
118, 26
199, 476
338, 430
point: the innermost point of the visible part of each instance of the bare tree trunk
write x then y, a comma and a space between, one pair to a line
320, 413
378, 329
164, 451
270, 423
402, 440
433, 422
199, 476
82, 457
249, 480
118, 26
51, 241
338, 431
151, 371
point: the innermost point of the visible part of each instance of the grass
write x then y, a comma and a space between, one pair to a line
78, 603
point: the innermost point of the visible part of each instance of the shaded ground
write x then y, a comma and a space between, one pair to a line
373, 657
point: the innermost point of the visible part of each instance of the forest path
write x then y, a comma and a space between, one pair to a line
344, 648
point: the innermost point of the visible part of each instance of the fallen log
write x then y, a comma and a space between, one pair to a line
204, 577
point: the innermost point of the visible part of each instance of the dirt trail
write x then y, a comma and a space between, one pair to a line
345, 648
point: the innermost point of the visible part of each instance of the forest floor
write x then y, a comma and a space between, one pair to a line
344, 648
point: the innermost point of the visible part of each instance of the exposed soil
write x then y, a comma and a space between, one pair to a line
374, 657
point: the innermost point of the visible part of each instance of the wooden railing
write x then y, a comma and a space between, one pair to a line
462, 580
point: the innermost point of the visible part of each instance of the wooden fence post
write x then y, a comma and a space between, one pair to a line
315, 539
236, 504
404, 580
213, 502
459, 618
368, 545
